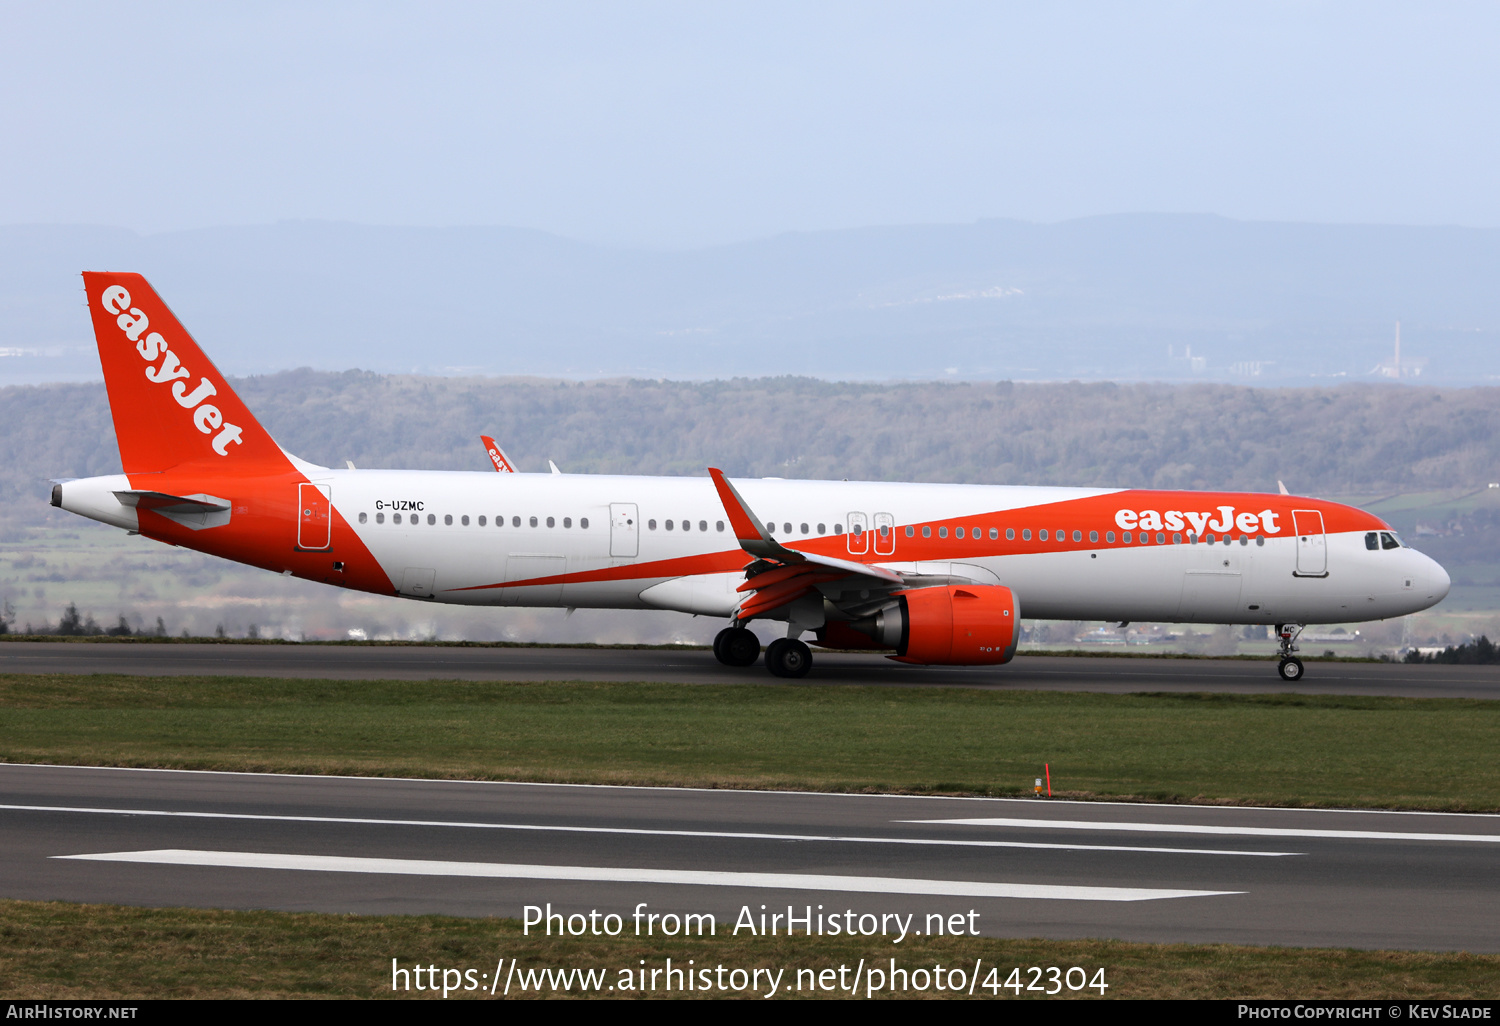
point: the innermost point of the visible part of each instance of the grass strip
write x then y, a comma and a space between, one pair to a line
57, 951
1293, 750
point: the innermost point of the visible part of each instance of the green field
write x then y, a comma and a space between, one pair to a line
59, 952
1271, 749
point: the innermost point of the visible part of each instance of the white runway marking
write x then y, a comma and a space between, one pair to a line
603, 874
641, 831
1220, 831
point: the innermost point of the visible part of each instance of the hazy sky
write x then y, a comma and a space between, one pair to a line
672, 124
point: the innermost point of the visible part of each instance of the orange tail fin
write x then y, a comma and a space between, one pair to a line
170, 403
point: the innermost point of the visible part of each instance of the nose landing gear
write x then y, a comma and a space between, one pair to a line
1290, 666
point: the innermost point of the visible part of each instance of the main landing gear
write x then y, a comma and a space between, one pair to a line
1290, 666
788, 657
785, 657
736, 646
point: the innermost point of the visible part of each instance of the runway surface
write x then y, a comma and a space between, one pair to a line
1001, 867
697, 666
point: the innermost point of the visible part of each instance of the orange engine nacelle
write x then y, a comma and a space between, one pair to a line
956, 625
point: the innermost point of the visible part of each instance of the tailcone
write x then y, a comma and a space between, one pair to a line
94, 497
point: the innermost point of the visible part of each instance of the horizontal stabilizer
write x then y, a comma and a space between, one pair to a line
161, 502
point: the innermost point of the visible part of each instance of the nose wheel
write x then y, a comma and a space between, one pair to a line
1290, 666
736, 646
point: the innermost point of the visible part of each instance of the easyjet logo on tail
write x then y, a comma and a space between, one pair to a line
206, 417
1175, 520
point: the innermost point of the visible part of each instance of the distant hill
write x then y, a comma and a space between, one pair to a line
1125, 297
1349, 440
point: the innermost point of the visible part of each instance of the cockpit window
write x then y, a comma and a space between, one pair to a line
1372, 540
1388, 540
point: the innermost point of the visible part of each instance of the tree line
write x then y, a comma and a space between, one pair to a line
1346, 440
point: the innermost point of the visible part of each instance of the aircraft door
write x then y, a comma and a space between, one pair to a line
314, 517
1312, 547
885, 534
624, 530
858, 534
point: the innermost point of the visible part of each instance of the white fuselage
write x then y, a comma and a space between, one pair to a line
533, 529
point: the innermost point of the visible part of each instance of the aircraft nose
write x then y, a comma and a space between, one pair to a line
1438, 581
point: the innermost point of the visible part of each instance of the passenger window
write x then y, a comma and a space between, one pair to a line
994, 534
1372, 541
364, 518
1161, 538
1078, 536
1126, 537
1093, 536
926, 532
516, 522
1208, 538
1260, 540
823, 530
583, 523
1026, 534
911, 531
651, 525
432, 519
942, 532
1176, 539
380, 518
533, 521
448, 519
1388, 541
958, 532
787, 529
1244, 539
1041, 535
804, 529
464, 520
703, 525
395, 518
687, 525
718, 525
551, 522
668, 525
1109, 536
482, 521
567, 521
1010, 534
838, 528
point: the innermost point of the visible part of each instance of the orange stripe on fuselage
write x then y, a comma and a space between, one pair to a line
1094, 513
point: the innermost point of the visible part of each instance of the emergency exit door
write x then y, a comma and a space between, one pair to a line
624, 529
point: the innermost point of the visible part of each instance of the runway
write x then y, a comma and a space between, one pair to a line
997, 867
697, 666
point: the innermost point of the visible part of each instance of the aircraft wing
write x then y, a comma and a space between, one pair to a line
782, 575
753, 538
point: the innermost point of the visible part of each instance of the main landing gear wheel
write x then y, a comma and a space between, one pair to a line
736, 646
1290, 669
787, 657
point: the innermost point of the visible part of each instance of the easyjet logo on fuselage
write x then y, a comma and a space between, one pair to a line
1222, 520
206, 417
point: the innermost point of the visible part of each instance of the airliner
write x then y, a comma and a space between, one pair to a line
922, 573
